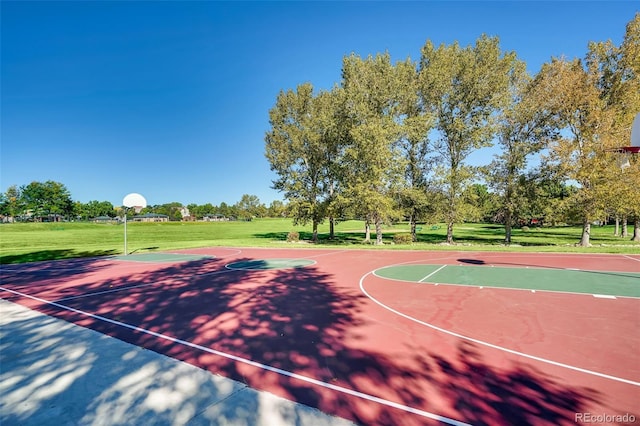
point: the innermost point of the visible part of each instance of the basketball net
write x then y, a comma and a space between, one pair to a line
623, 160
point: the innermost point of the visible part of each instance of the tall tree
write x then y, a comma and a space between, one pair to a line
46, 198
587, 127
302, 152
464, 88
250, 206
523, 129
13, 203
374, 165
618, 79
276, 209
416, 124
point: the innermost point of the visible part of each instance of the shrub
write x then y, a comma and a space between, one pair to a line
293, 237
402, 239
525, 229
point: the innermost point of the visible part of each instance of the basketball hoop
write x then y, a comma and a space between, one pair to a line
626, 152
137, 202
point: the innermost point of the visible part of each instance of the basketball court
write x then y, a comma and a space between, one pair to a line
373, 336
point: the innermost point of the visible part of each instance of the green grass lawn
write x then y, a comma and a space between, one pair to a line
24, 242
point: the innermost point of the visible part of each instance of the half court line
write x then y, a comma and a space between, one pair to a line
431, 274
272, 369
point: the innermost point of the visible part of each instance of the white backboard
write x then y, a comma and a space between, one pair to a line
635, 131
134, 200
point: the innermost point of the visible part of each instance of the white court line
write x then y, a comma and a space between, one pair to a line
604, 296
490, 345
276, 370
572, 293
433, 273
632, 258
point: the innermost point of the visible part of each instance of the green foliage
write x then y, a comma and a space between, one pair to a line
464, 88
302, 149
94, 209
402, 239
374, 89
249, 207
46, 198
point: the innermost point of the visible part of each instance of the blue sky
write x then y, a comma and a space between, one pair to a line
171, 99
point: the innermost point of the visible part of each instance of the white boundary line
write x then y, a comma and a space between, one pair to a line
604, 296
246, 361
632, 258
490, 345
433, 273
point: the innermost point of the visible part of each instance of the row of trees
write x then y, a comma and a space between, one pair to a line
546, 201
52, 200
392, 139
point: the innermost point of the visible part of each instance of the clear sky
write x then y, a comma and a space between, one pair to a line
171, 99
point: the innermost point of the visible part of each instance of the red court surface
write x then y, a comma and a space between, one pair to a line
334, 336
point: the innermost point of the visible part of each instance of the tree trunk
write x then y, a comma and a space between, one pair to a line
367, 231
507, 227
616, 230
332, 224
412, 221
625, 230
450, 232
636, 229
586, 233
378, 232
332, 220
315, 231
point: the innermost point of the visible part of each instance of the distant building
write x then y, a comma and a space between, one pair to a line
151, 217
214, 218
185, 214
105, 219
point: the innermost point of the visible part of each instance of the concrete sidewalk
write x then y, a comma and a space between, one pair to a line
55, 373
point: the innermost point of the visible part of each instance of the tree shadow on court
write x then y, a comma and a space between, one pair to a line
519, 395
48, 276
303, 321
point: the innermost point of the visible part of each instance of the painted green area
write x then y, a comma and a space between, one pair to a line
564, 280
408, 272
263, 264
161, 257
